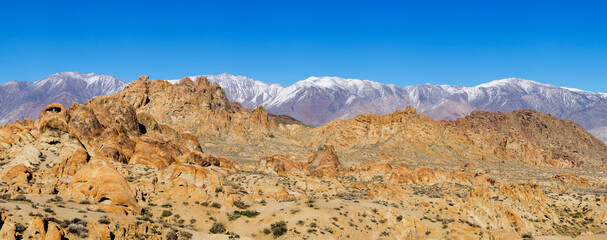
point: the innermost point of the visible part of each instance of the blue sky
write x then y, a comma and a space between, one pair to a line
400, 42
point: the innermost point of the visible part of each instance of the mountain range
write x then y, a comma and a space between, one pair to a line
181, 161
319, 100
25, 100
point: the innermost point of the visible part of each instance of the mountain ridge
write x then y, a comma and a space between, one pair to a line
319, 100
24, 100
143, 161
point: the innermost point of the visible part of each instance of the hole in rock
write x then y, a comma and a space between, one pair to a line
53, 109
142, 129
105, 200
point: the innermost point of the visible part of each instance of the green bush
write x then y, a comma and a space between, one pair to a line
217, 228
166, 213
279, 228
20, 197
172, 235
78, 229
104, 220
186, 235
233, 216
19, 227
240, 204
247, 213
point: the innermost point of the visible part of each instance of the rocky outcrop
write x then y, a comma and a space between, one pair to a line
199, 159
570, 180
51, 124
525, 136
146, 162
533, 137
100, 182
69, 166
18, 175
156, 150
93, 124
191, 183
260, 116
283, 165
324, 163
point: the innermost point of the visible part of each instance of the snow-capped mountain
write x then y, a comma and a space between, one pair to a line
21, 100
248, 92
318, 100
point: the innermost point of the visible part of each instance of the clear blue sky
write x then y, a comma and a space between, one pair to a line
400, 42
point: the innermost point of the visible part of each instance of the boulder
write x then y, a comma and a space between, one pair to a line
69, 166
101, 183
199, 159
282, 165
52, 123
185, 181
156, 150
324, 162
18, 175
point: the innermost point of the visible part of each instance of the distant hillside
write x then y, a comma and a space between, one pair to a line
22, 99
319, 100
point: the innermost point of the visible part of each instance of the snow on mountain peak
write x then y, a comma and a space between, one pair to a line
510, 82
333, 82
10, 83
25, 99
347, 96
247, 91
88, 78
361, 88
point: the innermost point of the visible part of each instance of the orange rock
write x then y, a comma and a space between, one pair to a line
70, 165
7, 232
53, 232
260, 116
84, 125
18, 175
387, 191
111, 110
36, 228
571, 180
147, 123
100, 182
114, 143
198, 158
503, 235
226, 163
532, 137
275, 192
156, 150
52, 123
185, 181
373, 167
324, 163
190, 142
282, 165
